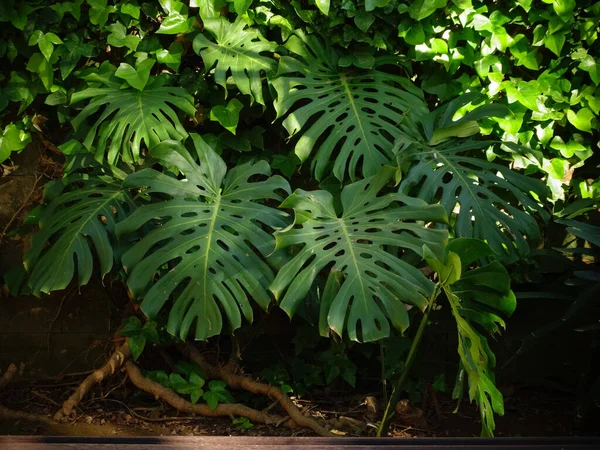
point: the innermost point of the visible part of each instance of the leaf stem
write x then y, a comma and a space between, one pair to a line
410, 359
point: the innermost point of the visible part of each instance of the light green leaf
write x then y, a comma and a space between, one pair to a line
40, 65
131, 9
228, 116
209, 221
582, 119
554, 42
176, 23
138, 77
359, 245
323, 6
241, 6
118, 37
420, 9
171, 57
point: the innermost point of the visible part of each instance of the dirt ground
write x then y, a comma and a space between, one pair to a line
116, 409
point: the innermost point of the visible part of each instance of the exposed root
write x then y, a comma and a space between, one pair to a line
180, 404
9, 414
116, 360
8, 375
246, 383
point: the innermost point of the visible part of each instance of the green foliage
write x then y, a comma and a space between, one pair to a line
139, 334
305, 88
491, 201
239, 51
476, 298
360, 109
80, 217
201, 255
357, 245
130, 117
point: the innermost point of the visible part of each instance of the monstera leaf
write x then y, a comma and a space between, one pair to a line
129, 117
477, 297
350, 117
79, 221
208, 253
361, 248
491, 201
238, 50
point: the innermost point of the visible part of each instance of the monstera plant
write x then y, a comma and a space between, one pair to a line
408, 207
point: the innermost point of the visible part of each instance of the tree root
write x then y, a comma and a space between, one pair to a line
8, 375
246, 383
9, 414
180, 404
121, 354
12, 415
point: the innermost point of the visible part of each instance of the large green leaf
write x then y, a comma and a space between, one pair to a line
350, 116
129, 117
477, 299
362, 244
208, 253
79, 221
238, 51
491, 201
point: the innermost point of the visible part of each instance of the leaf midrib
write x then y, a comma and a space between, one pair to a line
211, 229
342, 224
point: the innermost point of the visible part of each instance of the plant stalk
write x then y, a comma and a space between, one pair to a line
410, 359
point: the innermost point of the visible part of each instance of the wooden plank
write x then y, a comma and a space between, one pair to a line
280, 443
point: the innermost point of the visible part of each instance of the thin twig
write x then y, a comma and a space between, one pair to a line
45, 397
23, 205
140, 417
60, 306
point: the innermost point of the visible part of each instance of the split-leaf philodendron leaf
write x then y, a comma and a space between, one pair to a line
362, 246
79, 221
130, 116
209, 252
238, 51
346, 117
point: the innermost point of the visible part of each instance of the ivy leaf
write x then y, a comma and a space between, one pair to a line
171, 57
364, 21
131, 9
13, 139
420, 9
360, 245
217, 393
370, 5
241, 6
159, 376
238, 50
138, 77
228, 116
582, 119
71, 52
99, 12
554, 42
118, 37
323, 6
193, 387
39, 64
215, 270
